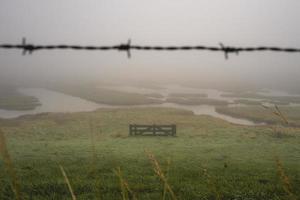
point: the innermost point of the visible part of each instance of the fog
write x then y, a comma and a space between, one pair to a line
156, 22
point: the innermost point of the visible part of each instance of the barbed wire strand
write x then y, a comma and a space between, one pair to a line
30, 48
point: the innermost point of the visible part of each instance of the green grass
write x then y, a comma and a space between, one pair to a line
209, 157
188, 95
11, 99
259, 114
259, 102
247, 102
252, 95
274, 99
154, 95
106, 96
196, 101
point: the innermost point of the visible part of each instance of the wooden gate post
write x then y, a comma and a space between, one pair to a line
130, 129
173, 129
154, 129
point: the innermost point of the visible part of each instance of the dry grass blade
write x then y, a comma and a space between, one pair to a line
212, 185
129, 190
123, 191
67, 182
94, 159
281, 115
124, 186
160, 174
92, 135
9, 166
277, 112
276, 130
284, 179
167, 172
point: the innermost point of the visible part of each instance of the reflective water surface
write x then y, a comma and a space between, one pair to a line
52, 101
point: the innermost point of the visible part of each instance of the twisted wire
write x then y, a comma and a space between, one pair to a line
30, 48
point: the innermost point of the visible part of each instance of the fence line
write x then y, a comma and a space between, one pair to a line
30, 48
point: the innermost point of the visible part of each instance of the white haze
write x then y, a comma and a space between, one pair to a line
152, 22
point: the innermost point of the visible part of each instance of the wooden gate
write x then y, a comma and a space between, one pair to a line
154, 129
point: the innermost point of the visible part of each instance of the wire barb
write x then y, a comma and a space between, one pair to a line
29, 48
227, 50
125, 47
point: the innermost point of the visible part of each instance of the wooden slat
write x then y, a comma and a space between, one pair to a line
139, 129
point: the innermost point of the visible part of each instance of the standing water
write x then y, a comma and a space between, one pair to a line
52, 101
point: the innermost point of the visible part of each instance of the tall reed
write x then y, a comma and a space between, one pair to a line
94, 159
212, 184
125, 189
286, 183
160, 174
276, 111
67, 182
167, 173
9, 166
92, 137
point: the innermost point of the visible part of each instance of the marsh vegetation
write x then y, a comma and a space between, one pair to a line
12, 99
209, 159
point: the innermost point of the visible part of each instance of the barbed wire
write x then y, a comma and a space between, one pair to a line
127, 47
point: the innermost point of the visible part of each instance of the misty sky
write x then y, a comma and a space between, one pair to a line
152, 22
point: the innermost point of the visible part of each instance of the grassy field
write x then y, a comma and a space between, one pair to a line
188, 95
154, 95
259, 102
11, 99
247, 102
209, 158
259, 114
275, 99
196, 101
106, 96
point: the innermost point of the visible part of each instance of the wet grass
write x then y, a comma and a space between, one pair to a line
209, 158
196, 101
259, 114
272, 99
11, 99
188, 95
107, 96
247, 102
